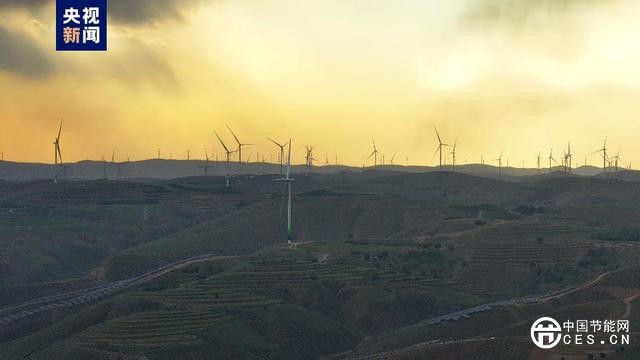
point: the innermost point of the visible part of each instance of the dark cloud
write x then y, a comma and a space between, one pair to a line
131, 12
23, 3
139, 63
20, 55
148, 11
518, 11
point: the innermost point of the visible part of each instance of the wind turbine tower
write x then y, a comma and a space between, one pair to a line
440, 146
206, 166
288, 181
309, 157
615, 160
604, 155
228, 153
57, 155
281, 147
568, 159
453, 155
551, 158
240, 145
374, 153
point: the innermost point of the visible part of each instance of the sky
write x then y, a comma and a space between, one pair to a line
519, 76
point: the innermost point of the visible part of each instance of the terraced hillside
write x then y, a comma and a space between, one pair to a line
311, 300
378, 258
504, 332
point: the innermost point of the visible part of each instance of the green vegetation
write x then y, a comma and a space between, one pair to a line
595, 257
623, 234
486, 211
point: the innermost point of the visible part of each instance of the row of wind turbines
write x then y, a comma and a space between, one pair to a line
610, 163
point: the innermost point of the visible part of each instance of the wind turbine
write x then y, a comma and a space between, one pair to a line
499, 160
374, 153
616, 159
538, 158
281, 146
551, 158
453, 154
393, 157
228, 152
309, 157
604, 155
226, 149
240, 145
206, 166
288, 181
440, 146
57, 154
567, 159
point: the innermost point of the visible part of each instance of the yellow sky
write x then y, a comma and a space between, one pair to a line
518, 75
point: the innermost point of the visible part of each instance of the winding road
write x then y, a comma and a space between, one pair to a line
468, 312
80, 297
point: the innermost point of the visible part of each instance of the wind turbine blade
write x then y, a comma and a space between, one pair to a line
438, 135
435, 153
221, 142
234, 135
371, 155
59, 132
275, 142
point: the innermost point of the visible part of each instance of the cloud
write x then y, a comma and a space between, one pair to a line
23, 3
20, 55
149, 11
129, 12
139, 62
519, 11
